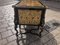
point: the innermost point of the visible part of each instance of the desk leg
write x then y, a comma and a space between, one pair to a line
17, 40
40, 28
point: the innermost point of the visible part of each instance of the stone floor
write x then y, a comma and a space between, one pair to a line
7, 32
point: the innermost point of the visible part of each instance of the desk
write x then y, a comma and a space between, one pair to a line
30, 13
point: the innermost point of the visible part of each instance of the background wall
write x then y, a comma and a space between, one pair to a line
5, 2
53, 0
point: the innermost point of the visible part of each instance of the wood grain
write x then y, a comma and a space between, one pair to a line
29, 3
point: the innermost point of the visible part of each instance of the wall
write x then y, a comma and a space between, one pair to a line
53, 0
4, 2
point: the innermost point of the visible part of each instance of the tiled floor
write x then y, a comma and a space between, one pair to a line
7, 32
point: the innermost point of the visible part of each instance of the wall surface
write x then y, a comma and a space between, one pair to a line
53, 0
4, 2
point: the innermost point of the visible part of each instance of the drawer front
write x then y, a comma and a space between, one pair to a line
29, 16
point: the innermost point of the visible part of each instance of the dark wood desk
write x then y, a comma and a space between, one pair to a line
30, 13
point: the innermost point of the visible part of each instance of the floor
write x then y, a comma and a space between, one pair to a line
7, 32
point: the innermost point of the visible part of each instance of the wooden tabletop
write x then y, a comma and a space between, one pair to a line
29, 3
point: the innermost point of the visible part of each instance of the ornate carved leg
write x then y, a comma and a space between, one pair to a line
16, 34
41, 28
42, 21
16, 23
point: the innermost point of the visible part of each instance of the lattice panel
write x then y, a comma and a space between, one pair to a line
29, 17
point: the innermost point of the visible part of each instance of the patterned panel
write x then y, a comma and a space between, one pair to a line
29, 16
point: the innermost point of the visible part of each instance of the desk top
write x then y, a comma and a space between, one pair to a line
29, 3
